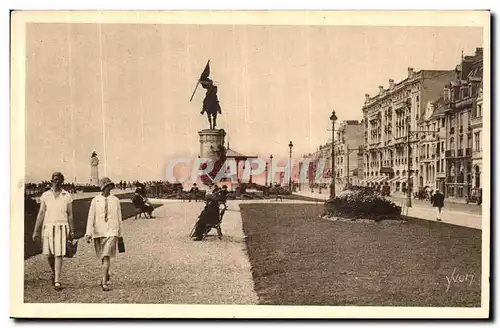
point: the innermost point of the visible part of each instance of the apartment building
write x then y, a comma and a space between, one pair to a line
388, 117
349, 140
463, 117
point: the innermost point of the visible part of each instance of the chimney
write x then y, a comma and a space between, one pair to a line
367, 97
380, 89
391, 83
410, 72
479, 51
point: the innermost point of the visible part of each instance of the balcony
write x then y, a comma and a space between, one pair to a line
449, 153
468, 152
477, 154
450, 179
475, 122
440, 175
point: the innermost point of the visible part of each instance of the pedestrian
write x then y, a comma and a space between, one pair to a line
193, 193
104, 227
55, 225
437, 201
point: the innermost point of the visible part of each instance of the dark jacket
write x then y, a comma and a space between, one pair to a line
437, 200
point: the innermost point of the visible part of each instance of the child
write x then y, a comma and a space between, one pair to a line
104, 226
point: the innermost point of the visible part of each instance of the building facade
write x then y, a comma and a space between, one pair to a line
462, 118
349, 140
431, 146
388, 119
477, 140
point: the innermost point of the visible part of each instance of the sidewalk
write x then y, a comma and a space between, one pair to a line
161, 264
422, 212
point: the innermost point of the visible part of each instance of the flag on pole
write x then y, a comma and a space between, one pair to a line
206, 72
203, 78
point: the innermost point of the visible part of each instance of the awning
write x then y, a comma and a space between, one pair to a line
383, 179
395, 179
403, 179
370, 179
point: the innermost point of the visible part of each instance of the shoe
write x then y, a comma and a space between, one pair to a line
105, 286
439, 219
58, 286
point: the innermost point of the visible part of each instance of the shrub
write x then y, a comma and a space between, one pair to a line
362, 204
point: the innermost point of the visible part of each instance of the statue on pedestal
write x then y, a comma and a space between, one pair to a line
94, 171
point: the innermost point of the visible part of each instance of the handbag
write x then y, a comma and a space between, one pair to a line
71, 248
121, 245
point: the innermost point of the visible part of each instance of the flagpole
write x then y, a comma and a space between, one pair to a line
194, 90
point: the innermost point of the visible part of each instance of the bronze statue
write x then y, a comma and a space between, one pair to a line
211, 104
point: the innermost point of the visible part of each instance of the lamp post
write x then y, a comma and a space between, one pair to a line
271, 175
333, 118
290, 177
266, 172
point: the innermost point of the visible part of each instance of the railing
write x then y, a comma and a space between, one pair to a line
450, 153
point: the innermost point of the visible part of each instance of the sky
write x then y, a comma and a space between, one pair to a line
123, 90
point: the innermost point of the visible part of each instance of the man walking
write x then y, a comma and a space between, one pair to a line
437, 201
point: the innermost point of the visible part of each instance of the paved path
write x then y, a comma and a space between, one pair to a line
161, 264
423, 210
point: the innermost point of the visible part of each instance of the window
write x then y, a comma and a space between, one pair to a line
442, 146
477, 144
443, 122
437, 166
461, 141
446, 94
442, 165
452, 143
479, 111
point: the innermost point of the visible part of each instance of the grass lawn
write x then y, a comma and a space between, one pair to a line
298, 258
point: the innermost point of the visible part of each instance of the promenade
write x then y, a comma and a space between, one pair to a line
161, 264
466, 215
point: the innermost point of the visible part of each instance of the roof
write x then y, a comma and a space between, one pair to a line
234, 154
438, 111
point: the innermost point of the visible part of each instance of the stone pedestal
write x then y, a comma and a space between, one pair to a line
210, 143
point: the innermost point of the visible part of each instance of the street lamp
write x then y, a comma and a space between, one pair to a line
266, 172
290, 177
333, 118
271, 175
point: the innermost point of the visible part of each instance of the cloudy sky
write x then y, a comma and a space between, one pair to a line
123, 89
